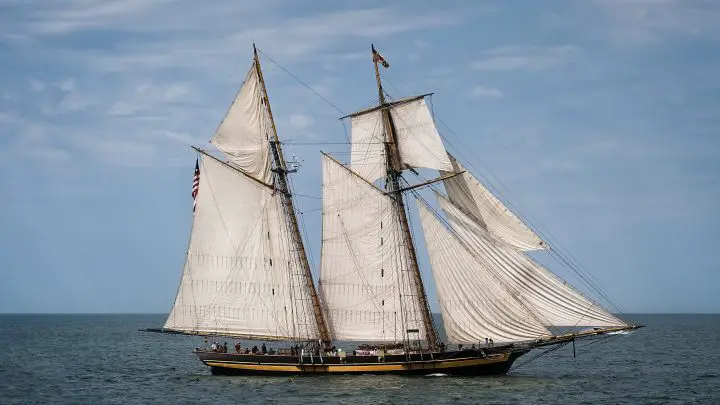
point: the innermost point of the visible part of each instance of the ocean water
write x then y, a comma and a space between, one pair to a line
103, 359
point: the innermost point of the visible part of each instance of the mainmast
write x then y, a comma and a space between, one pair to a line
393, 173
286, 195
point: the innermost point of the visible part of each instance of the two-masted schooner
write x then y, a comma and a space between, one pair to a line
247, 275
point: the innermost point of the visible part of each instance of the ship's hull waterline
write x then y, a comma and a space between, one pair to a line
467, 362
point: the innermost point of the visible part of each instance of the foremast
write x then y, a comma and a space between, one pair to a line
280, 168
394, 169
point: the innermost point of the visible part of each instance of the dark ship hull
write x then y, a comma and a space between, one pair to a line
466, 362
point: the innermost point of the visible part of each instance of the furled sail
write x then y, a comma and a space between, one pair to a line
417, 138
243, 134
471, 195
364, 279
551, 299
474, 304
240, 271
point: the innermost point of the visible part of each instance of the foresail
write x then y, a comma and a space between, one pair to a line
474, 304
417, 139
243, 134
237, 275
472, 196
553, 301
366, 296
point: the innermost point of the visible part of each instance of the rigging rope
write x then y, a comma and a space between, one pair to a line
561, 254
330, 103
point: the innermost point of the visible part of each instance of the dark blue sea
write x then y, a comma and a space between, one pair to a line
103, 359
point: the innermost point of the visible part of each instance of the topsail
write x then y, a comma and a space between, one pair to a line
243, 134
417, 139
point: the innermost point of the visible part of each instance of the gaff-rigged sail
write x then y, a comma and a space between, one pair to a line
488, 211
238, 275
364, 279
554, 302
474, 303
416, 137
243, 134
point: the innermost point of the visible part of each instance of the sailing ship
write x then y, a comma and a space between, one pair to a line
247, 274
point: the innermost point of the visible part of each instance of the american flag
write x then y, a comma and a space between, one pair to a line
379, 58
196, 183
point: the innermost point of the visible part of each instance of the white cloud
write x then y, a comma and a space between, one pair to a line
81, 14
36, 85
133, 105
420, 44
641, 22
301, 121
67, 85
71, 102
185, 138
486, 92
525, 57
8, 117
289, 38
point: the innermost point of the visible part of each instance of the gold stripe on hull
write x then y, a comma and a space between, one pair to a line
360, 368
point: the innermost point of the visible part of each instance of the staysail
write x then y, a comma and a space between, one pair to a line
471, 195
474, 304
243, 134
240, 275
364, 276
417, 138
553, 301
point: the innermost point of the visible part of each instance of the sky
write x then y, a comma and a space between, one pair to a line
598, 119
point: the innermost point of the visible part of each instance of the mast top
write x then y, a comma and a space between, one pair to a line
379, 58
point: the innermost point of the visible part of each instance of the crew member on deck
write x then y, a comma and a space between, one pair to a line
264, 349
238, 347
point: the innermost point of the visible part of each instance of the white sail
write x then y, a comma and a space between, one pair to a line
417, 138
474, 304
551, 299
238, 275
243, 134
364, 279
367, 151
468, 193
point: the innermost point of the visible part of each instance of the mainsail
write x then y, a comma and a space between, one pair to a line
416, 137
554, 302
241, 275
474, 303
365, 280
243, 134
471, 195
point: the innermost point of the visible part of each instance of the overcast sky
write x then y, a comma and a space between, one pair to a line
600, 117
